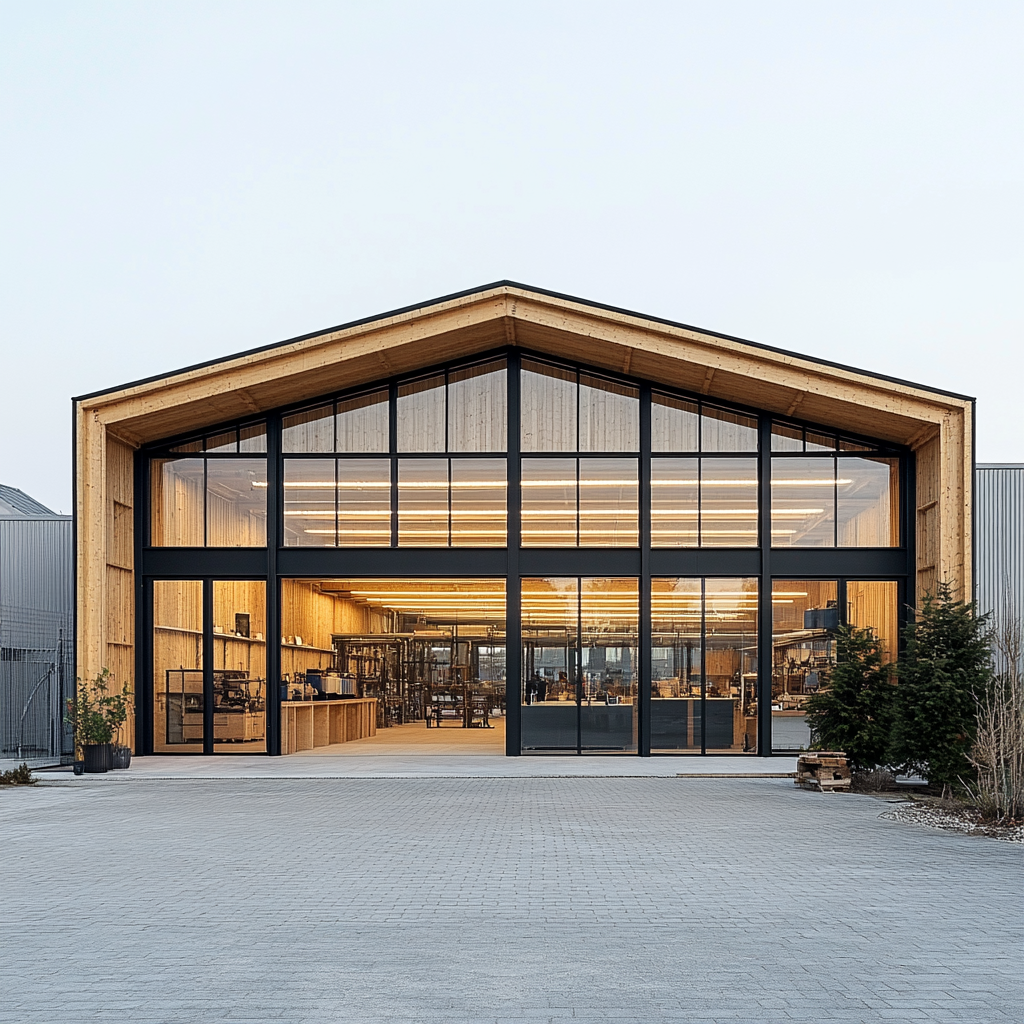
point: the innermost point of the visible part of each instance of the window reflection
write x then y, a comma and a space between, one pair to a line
728, 503
479, 513
724, 431
236, 503
674, 503
548, 503
239, 667
868, 489
364, 503
421, 415
309, 495
803, 502
608, 503
177, 500
177, 666
423, 503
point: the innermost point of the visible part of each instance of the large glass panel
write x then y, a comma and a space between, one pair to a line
239, 667
362, 424
364, 503
549, 503
548, 408
479, 509
178, 667
477, 419
176, 502
236, 503
252, 439
874, 605
311, 430
674, 503
309, 513
868, 502
423, 503
550, 616
724, 431
609, 416
786, 438
674, 424
419, 660
609, 626
730, 665
421, 415
676, 722
223, 443
803, 496
609, 490
728, 503
819, 442
805, 615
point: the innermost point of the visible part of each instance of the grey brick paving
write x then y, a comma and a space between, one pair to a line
545, 901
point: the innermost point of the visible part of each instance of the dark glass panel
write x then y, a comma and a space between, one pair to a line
176, 502
364, 503
675, 424
311, 430
239, 667
728, 503
236, 503
549, 503
868, 505
309, 503
803, 496
548, 408
362, 424
724, 431
479, 508
421, 415
674, 503
477, 414
609, 415
609, 494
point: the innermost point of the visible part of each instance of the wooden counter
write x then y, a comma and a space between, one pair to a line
306, 724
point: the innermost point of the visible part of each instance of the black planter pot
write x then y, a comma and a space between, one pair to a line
121, 757
97, 758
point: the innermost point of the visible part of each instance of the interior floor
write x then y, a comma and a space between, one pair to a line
416, 738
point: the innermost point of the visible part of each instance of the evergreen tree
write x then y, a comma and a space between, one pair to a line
854, 713
945, 663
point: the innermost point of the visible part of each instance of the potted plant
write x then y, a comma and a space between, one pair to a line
97, 718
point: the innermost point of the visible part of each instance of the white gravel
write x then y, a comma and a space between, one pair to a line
951, 821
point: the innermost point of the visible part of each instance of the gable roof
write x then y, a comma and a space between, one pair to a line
16, 504
506, 313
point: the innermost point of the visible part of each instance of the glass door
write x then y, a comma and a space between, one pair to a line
579, 685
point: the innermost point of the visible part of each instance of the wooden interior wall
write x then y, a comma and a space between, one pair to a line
313, 616
874, 605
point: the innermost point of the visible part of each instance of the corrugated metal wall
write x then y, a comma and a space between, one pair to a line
999, 540
36, 637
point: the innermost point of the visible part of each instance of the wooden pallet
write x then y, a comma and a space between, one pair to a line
826, 771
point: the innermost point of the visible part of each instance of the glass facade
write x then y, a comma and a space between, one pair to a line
674, 569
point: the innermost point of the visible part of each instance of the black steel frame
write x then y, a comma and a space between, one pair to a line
276, 562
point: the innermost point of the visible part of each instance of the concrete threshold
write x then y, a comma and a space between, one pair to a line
421, 766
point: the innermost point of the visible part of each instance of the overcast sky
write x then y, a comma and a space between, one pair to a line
184, 180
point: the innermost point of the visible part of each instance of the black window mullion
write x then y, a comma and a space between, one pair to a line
207, 666
703, 666
513, 585
393, 454
645, 640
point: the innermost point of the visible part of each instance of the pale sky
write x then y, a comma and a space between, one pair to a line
184, 180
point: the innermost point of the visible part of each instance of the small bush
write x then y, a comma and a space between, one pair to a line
20, 776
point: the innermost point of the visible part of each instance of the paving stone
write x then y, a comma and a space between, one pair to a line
475, 900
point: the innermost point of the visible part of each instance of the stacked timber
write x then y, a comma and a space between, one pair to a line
824, 770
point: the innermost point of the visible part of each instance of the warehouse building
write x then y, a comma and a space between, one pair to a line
509, 520
36, 630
